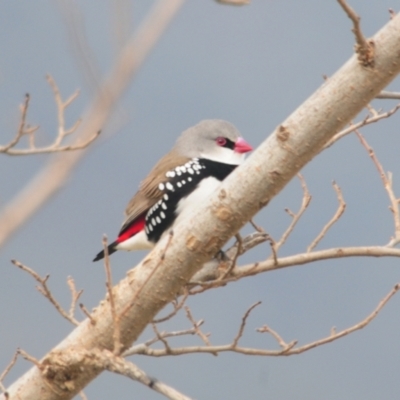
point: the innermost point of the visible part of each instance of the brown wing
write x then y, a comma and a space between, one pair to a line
148, 193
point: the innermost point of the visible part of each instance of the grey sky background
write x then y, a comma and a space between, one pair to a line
251, 66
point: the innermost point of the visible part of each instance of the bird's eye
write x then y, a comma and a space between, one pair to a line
221, 141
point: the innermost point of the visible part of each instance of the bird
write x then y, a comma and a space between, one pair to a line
202, 157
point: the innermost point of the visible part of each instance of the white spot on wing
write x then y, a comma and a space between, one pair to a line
161, 186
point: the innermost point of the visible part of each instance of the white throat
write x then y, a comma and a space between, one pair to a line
224, 155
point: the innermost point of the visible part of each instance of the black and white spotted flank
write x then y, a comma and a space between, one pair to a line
180, 184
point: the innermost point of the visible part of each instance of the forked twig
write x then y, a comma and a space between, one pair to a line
136, 349
339, 212
45, 291
63, 132
369, 119
196, 327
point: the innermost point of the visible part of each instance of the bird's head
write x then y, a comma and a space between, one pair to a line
215, 140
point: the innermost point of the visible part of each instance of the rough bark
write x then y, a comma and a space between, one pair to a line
154, 282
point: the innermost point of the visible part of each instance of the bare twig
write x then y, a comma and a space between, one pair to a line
295, 217
21, 129
239, 247
87, 313
74, 296
300, 259
160, 337
274, 249
287, 349
45, 291
137, 348
366, 121
243, 324
387, 180
285, 346
364, 48
306, 258
7, 370
196, 327
56, 146
30, 358
115, 317
335, 218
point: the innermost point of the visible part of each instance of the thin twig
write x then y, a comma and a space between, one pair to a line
115, 317
196, 326
87, 313
21, 129
239, 247
45, 291
30, 358
7, 370
243, 323
364, 47
74, 296
366, 121
387, 181
297, 260
339, 212
137, 347
295, 217
160, 337
285, 346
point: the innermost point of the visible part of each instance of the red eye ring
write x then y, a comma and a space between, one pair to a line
221, 141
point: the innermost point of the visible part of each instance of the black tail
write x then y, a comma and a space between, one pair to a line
111, 249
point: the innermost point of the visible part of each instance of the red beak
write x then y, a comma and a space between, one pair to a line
241, 146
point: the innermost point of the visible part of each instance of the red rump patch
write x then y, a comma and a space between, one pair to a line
131, 230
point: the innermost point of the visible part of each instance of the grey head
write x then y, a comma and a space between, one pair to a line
213, 139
